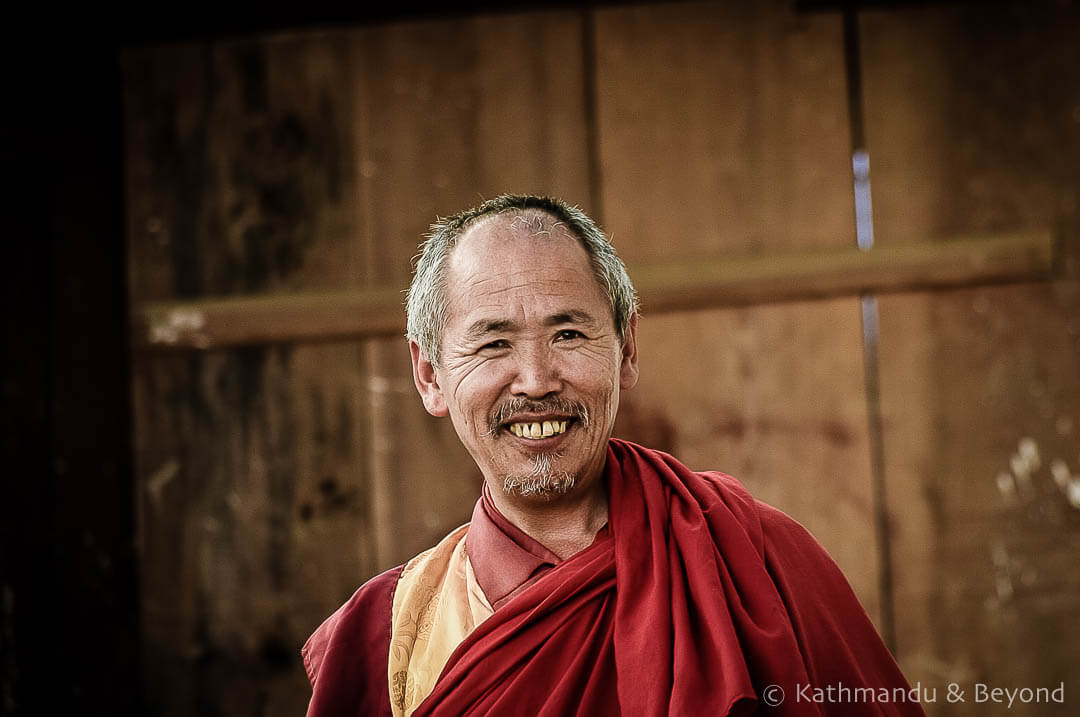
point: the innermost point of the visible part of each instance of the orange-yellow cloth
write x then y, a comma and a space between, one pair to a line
436, 605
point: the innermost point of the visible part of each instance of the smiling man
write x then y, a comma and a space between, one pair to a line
597, 577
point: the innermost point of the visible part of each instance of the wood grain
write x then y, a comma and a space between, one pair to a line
972, 127
240, 178
273, 480
450, 113
276, 192
723, 130
704, 283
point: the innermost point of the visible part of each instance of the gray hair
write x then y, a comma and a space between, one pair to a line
542, 480
427, 305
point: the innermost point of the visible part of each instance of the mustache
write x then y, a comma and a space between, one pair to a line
512, 407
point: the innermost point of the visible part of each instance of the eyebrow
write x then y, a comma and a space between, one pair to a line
482, 327
573, 316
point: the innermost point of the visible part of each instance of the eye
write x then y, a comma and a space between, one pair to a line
569, 335
496, 345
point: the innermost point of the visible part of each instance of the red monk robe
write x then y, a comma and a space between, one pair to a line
697, 599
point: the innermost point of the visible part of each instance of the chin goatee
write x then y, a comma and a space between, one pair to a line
542, 480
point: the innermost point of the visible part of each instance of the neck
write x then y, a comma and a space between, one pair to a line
564, 525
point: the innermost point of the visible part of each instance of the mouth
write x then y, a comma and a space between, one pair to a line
538, 425
539, 430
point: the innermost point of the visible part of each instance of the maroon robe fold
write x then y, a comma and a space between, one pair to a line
346, 658
697, 600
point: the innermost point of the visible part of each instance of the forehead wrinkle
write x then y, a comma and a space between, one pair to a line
478, 295
570, 316
519, 277
496, 238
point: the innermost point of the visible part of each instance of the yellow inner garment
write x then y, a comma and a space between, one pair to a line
436, 605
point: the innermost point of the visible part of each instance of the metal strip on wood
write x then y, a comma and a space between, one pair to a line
675, 286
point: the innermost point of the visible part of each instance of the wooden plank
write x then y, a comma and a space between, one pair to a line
669, 286
241, 178
450, 112
281, 318
274, 480
756, 392
251, 466
723, 131
971, 127
844, 272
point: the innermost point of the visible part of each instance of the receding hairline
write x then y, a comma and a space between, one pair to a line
514, 214
556, 230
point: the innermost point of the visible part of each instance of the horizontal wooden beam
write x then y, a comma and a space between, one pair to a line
828, 273
274, 318
675, 286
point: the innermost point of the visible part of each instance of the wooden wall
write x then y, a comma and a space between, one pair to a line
973, 122
272, 480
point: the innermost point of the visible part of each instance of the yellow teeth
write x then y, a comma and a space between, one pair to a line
538, 429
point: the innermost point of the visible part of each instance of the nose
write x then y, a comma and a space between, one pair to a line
536, 374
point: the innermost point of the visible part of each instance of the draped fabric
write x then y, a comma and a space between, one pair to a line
701, 600
346, 658
436, 604
697, 599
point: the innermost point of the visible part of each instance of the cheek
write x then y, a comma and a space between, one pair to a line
477, 390
593, 372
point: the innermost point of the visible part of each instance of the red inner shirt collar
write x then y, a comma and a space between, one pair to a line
503, 556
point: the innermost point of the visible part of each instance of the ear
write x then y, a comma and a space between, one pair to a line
628, 368
427, 382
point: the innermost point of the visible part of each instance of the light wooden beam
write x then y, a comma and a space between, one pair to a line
675, 286
822, 274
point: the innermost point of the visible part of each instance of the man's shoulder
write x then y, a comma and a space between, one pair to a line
793, 556
782, 531
719, 496
769, 528
792, 553
770, 525
361, 623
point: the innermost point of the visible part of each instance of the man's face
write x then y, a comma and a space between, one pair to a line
531, 364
